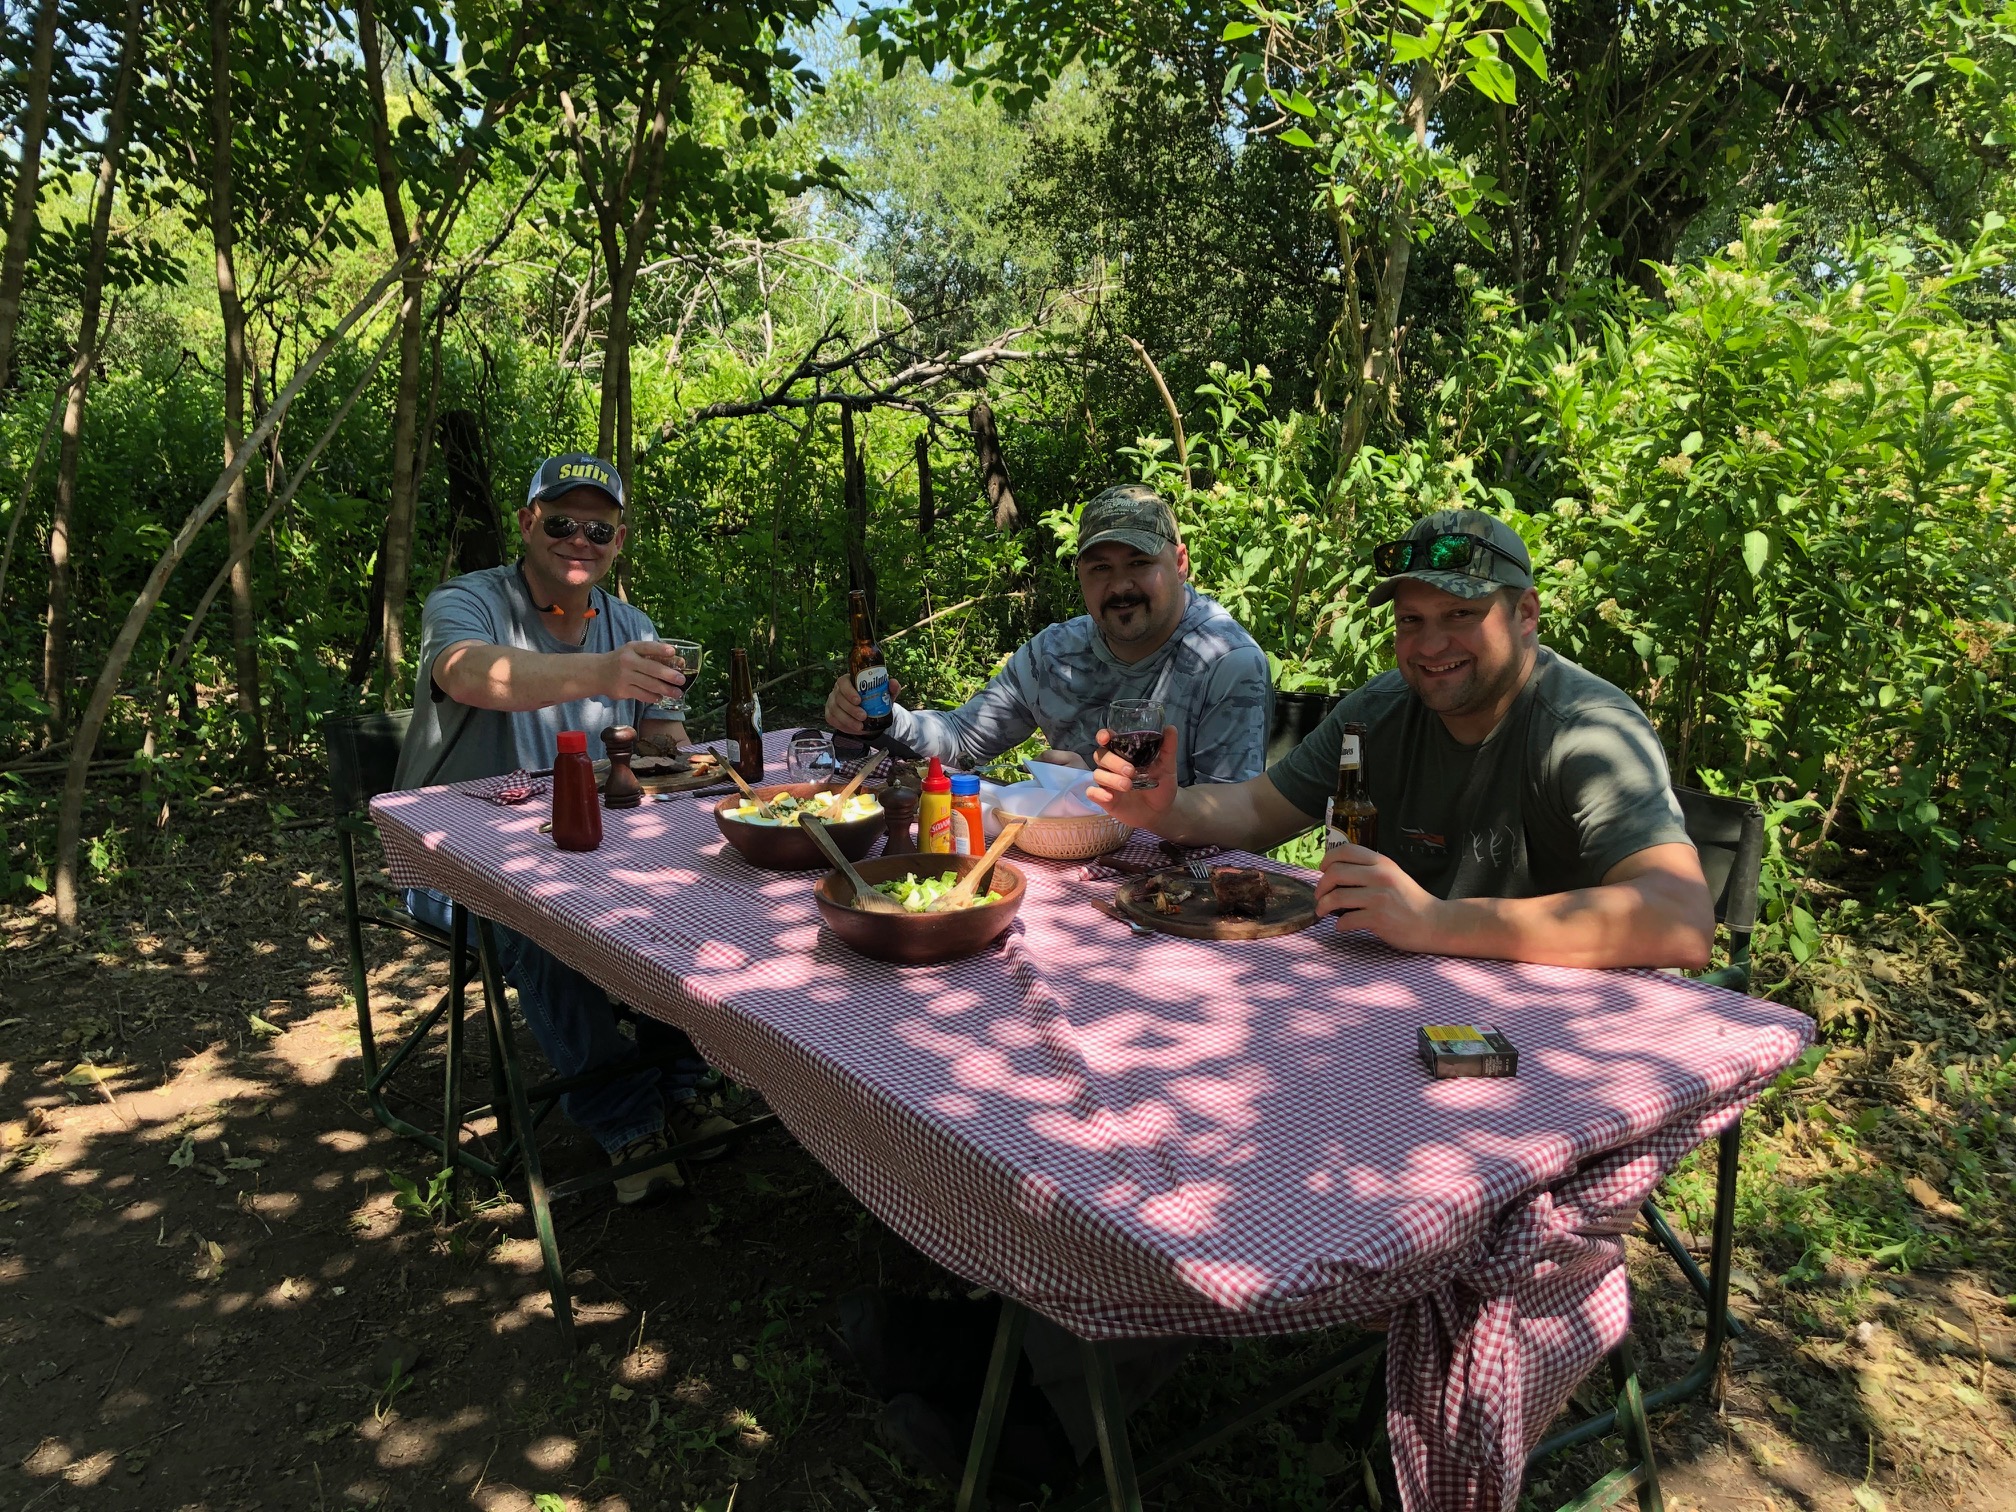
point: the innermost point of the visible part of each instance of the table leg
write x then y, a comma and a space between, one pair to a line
528, 1144
993, 1406
1637, 1426
1109, 1419
451, 1074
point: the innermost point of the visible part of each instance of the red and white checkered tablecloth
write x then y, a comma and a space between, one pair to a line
1161, 1136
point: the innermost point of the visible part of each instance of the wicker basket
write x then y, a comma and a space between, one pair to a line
1075, 837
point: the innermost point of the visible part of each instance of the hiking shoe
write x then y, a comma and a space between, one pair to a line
684, 1126
651, 1183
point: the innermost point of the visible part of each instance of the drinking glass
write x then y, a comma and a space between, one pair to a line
686, 658
812, 758
1134, 733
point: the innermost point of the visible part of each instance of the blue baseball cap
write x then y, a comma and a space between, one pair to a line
572, 470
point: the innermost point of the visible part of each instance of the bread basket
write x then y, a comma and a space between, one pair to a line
1067, 837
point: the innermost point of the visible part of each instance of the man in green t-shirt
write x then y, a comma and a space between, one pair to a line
1525, 812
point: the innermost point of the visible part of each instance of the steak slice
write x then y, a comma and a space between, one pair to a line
1240, 891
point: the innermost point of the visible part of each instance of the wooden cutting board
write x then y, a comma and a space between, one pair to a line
661, 774
1291, 905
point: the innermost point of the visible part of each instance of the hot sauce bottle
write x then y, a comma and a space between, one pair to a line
577, 815
968, 833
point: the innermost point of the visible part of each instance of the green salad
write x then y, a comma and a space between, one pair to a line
918, 894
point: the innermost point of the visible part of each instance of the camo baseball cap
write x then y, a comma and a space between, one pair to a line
572, 470
1131, 513
1506, 565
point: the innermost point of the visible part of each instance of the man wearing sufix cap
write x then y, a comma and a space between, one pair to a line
1146, 633
1525, 811
509, 657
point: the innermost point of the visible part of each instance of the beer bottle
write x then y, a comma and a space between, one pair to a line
745, 718
865, 666
1354, 818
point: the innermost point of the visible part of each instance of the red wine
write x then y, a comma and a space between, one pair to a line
1140, 747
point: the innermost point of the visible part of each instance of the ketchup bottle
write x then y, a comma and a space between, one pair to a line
577, 815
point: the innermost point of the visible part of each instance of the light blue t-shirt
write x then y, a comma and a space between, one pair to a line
453, 742
1210, 675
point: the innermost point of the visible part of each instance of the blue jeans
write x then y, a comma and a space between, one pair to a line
575, 1024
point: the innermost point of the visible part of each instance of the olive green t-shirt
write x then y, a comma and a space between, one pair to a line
1570, 783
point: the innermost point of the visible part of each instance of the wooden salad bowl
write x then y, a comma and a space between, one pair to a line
918, 939
787, 847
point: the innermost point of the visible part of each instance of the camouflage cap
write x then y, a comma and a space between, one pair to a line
1131, 513
572, 470
1506, 565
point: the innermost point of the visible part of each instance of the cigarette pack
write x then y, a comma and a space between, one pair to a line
1467, 1050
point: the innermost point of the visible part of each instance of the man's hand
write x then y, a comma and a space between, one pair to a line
1113, 784
843, 704
1367, 890
1061, 758
642, 670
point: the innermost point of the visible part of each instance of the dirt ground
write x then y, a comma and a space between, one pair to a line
214, 1302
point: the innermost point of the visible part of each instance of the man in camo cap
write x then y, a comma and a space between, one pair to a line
1145, 633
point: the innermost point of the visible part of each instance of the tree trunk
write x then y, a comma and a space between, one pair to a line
927, 505
1373, 385
27, 183
366, 650
475, 540
396, 555
56, 636
993, 467
854, 489
70, 814
223, 235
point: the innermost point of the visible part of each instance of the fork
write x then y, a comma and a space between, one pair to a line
1201, 870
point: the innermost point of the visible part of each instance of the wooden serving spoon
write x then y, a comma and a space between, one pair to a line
854, 782
866, 898
968, 887
762, 804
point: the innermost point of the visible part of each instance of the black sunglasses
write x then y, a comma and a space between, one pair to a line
563, 528
1454, 552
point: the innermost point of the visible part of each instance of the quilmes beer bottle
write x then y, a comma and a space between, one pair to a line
745, 718
865, 666
1354, 818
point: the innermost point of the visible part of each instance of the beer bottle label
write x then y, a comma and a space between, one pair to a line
1349, 755
756, 712
872, 683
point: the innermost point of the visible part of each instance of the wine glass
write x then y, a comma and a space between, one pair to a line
811, 758
686, 659
1134, 733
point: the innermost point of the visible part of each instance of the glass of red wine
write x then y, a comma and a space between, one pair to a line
1134, 734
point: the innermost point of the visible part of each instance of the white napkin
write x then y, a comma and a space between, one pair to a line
1054, 778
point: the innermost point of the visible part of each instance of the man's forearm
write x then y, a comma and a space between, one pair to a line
1646, 921
508, 679
1250, 815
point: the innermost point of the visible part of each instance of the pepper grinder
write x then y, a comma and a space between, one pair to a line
621, 789
899, 802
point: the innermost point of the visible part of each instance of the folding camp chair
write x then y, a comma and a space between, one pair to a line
363, 755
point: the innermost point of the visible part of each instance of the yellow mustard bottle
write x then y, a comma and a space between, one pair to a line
934, 813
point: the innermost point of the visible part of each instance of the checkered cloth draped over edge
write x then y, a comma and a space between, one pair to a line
1162, 1136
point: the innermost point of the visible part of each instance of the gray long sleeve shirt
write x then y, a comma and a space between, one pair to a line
1211, 676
